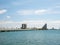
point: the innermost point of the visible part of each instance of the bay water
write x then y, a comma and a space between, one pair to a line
33, 37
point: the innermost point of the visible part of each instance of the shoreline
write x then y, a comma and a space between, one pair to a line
11, 30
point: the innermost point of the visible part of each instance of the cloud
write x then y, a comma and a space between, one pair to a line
37, 12
32, 12
6, 22
25, 12
42, 11
2, 11
53, 12
8, 17
58, 6
33, 23
17, 3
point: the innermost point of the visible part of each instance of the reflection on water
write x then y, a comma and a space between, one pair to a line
39, 37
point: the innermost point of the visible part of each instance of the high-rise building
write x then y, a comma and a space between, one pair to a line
44, 27
24, 26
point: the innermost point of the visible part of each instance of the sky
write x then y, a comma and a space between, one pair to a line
35, 13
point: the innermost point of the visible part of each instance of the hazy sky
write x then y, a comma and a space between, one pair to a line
33, 12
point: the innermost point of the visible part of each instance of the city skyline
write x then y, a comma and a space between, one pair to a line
32, 12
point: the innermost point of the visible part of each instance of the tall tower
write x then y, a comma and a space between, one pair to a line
24, 26
44, 27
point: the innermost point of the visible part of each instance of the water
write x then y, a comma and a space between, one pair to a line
39, 37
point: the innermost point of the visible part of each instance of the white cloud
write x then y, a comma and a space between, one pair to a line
53, 12
33, 23
58, 6
6, 22
3, 11
17, 3
32, 12
8, 17
38, 12
25, 12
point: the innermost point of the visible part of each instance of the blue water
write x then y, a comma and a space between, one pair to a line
37, 37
